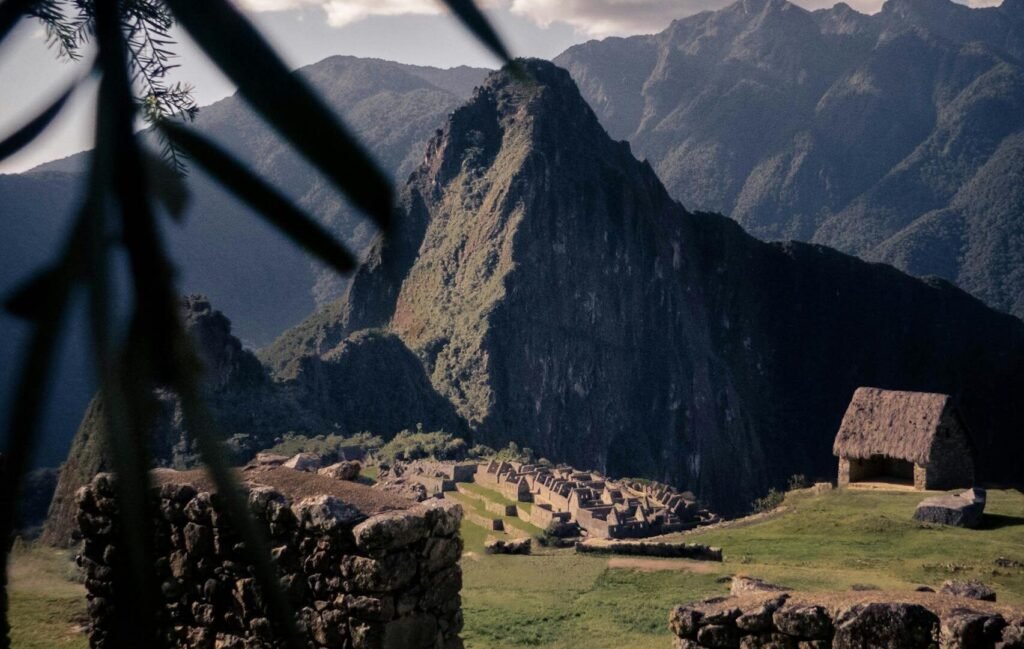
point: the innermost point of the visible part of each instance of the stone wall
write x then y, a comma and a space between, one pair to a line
388, 580
844, 621
650, 549
951, 464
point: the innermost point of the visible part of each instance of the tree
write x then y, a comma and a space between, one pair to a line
129, 190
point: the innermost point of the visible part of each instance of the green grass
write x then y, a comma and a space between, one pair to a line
820, 542
47, 608
846, 537
555, 598
492, 495
513, 524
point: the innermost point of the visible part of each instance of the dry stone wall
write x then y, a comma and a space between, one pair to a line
391, 580
778, 620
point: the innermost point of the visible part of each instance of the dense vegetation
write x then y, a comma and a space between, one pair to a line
897, 136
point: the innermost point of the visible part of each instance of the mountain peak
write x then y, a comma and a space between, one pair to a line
541, 105
538, 87
920, 8
761, 9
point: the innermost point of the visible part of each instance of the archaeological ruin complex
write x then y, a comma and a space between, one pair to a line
604, 508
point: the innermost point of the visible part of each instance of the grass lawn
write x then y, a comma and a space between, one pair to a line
820, 542
47, 608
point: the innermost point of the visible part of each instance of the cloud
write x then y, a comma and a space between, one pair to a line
591, 17
596, 18
345, 12
612, 17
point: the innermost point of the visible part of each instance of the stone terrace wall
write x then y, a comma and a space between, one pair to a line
390, 580
780, 621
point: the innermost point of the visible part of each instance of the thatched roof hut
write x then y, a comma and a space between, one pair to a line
916, 437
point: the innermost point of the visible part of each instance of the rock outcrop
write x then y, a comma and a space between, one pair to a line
356, 576
558, 297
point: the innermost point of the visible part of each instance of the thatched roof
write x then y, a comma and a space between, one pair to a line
895, 424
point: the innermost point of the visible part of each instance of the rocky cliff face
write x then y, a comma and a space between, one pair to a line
895, 136
559, 298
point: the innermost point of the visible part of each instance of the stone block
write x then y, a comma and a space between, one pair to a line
684, 621
960, 510
304, 462
390, 531
807, 622
885, 626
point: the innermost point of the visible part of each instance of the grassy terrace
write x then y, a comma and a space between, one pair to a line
513, 525
494, 496
556, 599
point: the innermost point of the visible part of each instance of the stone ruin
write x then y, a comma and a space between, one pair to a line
422, 479
761, 616
604, 508
363, 569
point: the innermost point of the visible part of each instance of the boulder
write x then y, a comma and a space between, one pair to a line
964, 509
718, 635
759, 619
968, 589
684, 621
344, 470
325, 513
768, 641
513, 546
1013, 637
964, 629
885, 626
304, 462
268, 459
389, 531
808, 622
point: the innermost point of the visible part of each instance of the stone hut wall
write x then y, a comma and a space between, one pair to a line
951, 465
391, 580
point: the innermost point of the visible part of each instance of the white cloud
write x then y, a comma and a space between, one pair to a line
345, 12
612, 17
595, 18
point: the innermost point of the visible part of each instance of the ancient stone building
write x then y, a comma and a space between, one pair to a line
912, 438
604, 508
363, 569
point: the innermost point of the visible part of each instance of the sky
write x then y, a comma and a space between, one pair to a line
306, 31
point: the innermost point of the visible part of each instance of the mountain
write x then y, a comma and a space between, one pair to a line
224, 250
558, 296
896, 137
369, 382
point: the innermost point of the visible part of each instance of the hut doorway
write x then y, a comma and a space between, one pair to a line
879, 468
